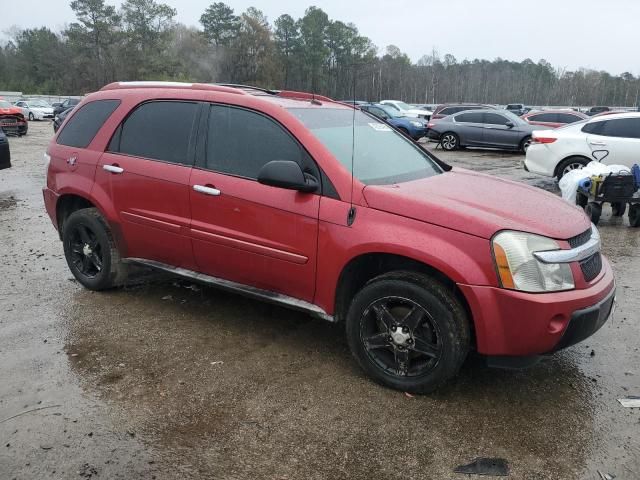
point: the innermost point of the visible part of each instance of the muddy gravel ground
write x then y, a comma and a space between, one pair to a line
169, 380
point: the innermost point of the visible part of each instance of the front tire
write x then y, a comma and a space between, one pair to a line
408, 332
91, 252
31, 117
450, 141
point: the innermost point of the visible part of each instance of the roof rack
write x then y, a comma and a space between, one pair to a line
248, 87
180, 85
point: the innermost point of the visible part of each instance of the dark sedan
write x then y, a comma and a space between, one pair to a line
416, 128
68, 103
5, 155
482, 128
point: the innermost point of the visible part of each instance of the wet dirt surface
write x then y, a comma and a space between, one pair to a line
169, 380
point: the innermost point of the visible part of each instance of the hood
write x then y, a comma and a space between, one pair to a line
479, 204
11, 111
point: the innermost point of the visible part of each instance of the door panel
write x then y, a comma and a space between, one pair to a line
151, 199
499, 135
255, 234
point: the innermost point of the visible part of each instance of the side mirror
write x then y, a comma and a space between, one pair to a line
287, 174
510, 124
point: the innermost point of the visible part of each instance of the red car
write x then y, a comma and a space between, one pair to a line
252, 191
554, 118
12, 120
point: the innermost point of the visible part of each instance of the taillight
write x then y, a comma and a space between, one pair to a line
543, 139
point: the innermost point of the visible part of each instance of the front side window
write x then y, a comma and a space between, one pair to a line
160, 130
544, 117
378, 153
495, 119
80, 130
240, 142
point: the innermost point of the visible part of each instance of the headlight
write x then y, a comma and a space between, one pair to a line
518, 269
417, 124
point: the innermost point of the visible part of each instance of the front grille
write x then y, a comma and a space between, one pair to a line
7, 121
591, 266
580, 239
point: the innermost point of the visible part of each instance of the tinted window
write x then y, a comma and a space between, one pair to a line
568, 118
378, 112
622, 127
544, 117
159, 131
241, 142
449, 110
495, 119
593, 127
469, 117
85, 123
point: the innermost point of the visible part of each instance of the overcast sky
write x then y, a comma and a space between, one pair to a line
604, 35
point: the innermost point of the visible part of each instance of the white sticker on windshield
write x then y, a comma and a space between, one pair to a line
380, 127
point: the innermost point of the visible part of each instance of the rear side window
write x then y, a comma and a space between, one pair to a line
594, 127
469, 117
161, 130
85, 123
544, 117
568, 118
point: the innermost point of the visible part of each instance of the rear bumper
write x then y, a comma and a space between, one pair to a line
18, 128
50, 202
540, 160
511, 323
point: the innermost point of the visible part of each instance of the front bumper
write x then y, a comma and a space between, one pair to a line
512, 323
11, 127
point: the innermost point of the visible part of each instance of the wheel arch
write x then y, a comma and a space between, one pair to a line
562, 160
364, 267
70, 201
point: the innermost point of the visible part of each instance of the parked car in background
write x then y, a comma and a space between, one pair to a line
553, 118
416, 128
609, 112
407, 110
596, 110
5, 153
447, 109
68, 103
356, 102
57, 121
56, 104
12, 120
612, 139
35, 109
518, 109
482, 128
262, 194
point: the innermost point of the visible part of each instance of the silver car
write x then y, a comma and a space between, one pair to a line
482, 128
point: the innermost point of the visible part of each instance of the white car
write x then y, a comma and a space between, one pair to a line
407, 110
610, 139
35, 109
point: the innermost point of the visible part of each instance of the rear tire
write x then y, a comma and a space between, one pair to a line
430, 328
593, 211
568, 164
450, 141
91, 252
525, 144
618, 209
634, 215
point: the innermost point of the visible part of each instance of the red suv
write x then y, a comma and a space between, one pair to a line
252, 191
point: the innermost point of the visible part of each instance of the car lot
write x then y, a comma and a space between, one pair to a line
169, 379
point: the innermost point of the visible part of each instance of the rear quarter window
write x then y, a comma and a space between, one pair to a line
83, 126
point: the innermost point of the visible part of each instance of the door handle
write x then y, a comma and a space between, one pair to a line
598, 144
113, 168
206, 190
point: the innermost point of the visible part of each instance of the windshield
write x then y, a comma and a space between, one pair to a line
389, 111
403, 106
5, 104
39, 103
514, 118
380, 155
